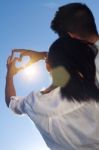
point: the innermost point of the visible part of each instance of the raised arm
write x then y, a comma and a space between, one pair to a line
34, 55
11, 71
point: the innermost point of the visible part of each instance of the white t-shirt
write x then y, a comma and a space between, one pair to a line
97, 61
64, 125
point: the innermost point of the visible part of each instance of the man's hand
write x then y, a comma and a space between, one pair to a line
11, 67
34, 56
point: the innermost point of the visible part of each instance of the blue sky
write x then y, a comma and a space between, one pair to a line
26, 24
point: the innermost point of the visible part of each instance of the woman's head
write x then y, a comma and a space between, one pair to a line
76, 57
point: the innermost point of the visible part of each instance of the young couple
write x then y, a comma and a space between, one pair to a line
66, 113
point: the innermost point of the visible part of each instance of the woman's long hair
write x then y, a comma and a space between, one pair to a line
78, 59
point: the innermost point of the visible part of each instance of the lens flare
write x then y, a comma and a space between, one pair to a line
30, 72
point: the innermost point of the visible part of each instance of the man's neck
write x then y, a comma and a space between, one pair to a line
90, 39
93, 39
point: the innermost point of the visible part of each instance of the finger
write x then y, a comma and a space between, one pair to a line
21, 51
12, 54
15, 50
12, 60
9, 60
18, 50
20, 58
16, 59
21, 55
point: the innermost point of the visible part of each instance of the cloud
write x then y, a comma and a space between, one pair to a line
51, 5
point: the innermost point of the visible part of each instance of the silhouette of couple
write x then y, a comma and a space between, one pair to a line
66, 113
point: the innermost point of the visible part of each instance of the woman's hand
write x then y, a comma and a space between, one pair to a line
11, 67
34, 56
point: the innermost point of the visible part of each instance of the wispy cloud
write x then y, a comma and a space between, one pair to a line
51, 4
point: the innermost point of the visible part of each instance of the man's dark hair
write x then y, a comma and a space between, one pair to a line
78, 59
75, 18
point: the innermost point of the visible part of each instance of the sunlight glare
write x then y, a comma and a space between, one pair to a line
31, 72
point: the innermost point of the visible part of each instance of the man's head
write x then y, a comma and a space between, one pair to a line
74, 18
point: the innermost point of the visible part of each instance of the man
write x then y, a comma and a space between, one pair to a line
77, 20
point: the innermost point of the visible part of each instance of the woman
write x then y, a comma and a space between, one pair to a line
66, 114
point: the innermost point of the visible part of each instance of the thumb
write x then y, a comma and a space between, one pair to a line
15, 59
9, 60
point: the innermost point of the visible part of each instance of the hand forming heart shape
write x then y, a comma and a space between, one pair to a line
21, 61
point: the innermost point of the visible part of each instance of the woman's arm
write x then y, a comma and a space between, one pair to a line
11, 71
9, 88
34, 55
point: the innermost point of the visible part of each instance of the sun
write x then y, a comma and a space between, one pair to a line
30, 72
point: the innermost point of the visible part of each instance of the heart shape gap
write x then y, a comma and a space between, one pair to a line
22, 62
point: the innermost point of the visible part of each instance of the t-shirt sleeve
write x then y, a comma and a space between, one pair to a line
20, 105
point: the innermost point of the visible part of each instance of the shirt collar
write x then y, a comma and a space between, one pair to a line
97, 43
